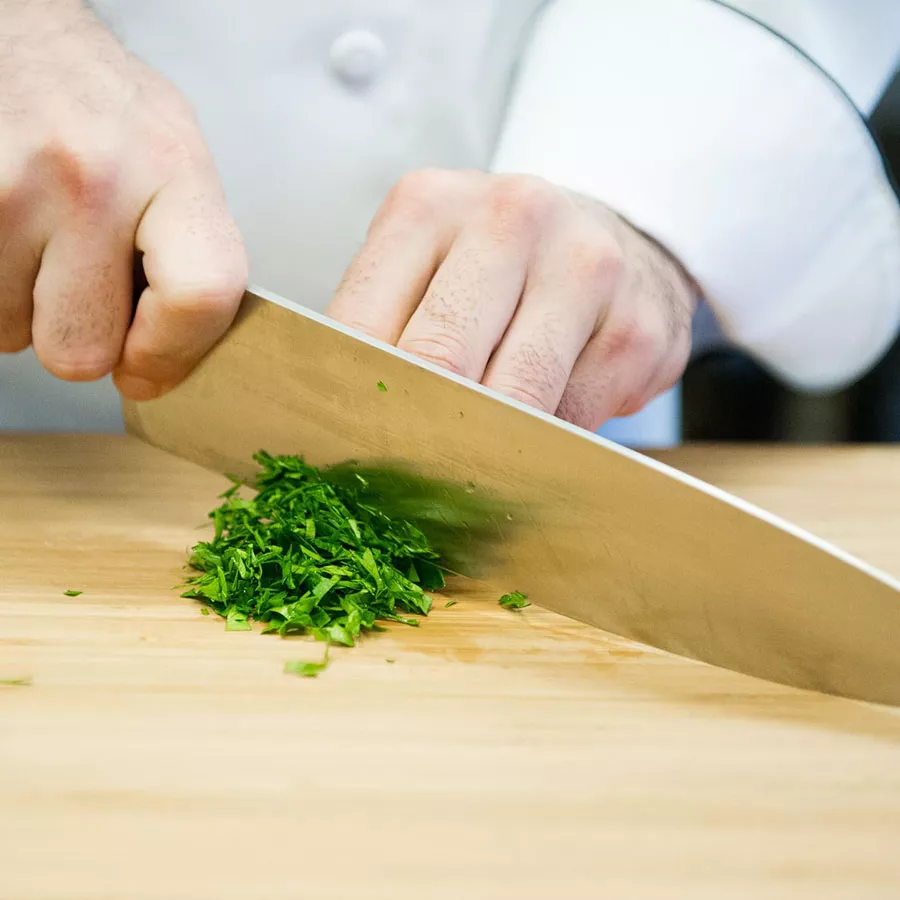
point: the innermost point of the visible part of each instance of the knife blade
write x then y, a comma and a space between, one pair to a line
587, 528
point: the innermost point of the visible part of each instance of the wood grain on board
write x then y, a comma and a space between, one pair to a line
496, 755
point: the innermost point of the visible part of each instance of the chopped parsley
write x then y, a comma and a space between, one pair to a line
515, 600
71, 593
307, 556
332, 553
307, 669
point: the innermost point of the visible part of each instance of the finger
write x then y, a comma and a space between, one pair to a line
472, 297
615, 372
196, 271
569, 288
20, 261
386, 280
406, 242
474, 294
666, 375
23, 235
82, 299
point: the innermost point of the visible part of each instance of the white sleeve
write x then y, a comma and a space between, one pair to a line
725, 143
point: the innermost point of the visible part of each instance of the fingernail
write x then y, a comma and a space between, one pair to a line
137, 388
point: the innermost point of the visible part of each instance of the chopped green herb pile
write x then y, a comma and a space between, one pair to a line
71, 593
306, 555
515, 600
15, 682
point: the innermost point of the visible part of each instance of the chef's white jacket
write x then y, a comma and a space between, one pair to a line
733, 133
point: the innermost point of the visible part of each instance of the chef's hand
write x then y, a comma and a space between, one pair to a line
544, 295
101, 157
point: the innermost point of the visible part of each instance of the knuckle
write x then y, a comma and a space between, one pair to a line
674, 366
523, 392
210, 299
169, 130
598, 263
87, 178
212, 294
537, 376
638, 396
416, 195
633, 405
168, 149
632, 338
422, 182
520, 202
357, 323
586, 399
446, 350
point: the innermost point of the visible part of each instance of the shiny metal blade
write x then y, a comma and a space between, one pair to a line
587, 528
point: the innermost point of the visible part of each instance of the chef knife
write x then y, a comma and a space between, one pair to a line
585, 527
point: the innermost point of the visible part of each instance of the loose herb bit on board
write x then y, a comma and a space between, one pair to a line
204, 610
515, 600
307, 556
16, 682
71, 593
450, 603
306, 669
236, 620
382, 386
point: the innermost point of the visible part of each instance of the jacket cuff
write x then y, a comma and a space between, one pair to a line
734, 150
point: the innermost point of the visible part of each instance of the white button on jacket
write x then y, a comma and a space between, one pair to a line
357, 57
705, 128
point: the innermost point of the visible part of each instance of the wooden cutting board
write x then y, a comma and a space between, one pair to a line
499, 755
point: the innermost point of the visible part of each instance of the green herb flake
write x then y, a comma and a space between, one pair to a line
391, 661
306, 669
16, 682
450, 603
71, 593
204, 610
236, 620
515, 600
382, 386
